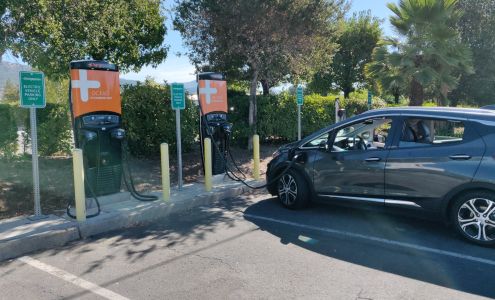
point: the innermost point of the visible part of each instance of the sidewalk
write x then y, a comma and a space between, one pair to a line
19, 236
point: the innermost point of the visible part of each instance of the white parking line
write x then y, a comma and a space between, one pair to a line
377, 239
72, 279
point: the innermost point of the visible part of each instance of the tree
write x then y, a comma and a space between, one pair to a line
265, 39
361, 34
48, 34
11, 93
388, 75
57, 91
3, 29
477, 28
429, 54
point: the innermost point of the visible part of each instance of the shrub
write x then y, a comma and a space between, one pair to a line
356, 106
54, 129
149, 119
277, 114
429, 104
8, 133
318, 112
238, 115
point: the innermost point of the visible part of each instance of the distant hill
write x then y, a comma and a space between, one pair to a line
10, 72
190, 87
127, 82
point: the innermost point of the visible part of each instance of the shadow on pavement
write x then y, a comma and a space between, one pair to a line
185, 228
451, 272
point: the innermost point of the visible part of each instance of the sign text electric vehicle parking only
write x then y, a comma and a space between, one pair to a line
178, 96
300, 95
32, 89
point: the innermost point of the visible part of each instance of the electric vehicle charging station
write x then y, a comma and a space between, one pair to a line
212, 97
95, 105
97, 123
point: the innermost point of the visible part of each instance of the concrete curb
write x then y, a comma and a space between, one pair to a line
20, 236
146, 212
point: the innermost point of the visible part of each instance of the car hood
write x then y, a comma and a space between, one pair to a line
289, 146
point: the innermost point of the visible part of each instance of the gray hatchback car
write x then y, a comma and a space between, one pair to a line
439, 160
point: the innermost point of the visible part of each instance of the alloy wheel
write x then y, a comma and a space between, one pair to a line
476, 218
287, 189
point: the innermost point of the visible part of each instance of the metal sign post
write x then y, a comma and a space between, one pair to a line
299, 122
32, 96
300, 101
337, 107
34, 154
178, 103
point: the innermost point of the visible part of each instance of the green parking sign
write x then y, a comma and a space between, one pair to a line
370, 99
178, 96
300, 95
32, 89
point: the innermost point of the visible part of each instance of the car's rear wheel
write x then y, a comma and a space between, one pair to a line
292, 190
473, 214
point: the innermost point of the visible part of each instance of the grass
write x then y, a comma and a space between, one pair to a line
16, 185
56, 182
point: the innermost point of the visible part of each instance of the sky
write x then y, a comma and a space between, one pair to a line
177, 68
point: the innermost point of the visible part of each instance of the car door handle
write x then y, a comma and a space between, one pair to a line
371, 159
460, 157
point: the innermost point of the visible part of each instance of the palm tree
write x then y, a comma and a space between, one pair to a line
428, 54
382, 69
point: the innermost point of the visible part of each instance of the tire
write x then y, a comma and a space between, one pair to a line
292, 190
473, 216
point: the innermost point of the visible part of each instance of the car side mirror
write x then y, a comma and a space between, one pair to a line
323, 145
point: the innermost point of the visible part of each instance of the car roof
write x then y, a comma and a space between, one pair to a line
454, 112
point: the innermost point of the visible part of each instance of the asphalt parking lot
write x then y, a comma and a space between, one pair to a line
251, 247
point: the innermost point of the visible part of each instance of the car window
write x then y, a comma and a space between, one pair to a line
322, 139
418, 132
370, 134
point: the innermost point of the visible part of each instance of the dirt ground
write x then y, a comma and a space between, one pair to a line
56, 184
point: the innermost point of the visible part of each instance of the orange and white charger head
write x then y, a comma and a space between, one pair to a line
95, 87
212, 95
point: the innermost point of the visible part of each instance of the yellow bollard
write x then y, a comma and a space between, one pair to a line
208, 167
165, 171
256, 157
80, 195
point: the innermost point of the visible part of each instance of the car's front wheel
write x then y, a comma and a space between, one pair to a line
473, 214
292, 190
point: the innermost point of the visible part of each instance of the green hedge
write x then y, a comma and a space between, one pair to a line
277, 114
8, 132
54, 129
356, 106
149, 119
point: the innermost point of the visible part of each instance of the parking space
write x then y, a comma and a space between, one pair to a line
251, 247
416, 248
